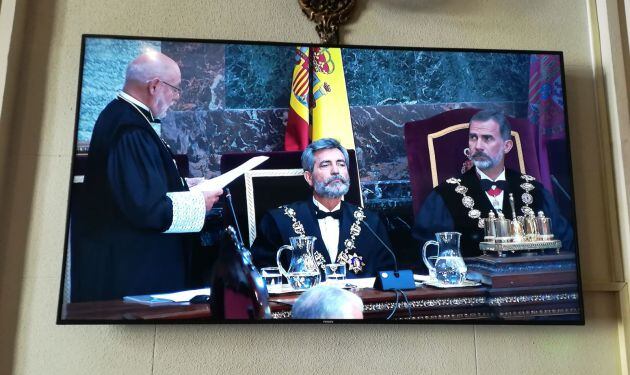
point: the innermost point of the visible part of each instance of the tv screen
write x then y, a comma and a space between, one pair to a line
230, 181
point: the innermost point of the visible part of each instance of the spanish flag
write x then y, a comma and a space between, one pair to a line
331, 112
297, 132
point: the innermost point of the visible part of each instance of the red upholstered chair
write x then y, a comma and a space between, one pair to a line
277, 181
435, 150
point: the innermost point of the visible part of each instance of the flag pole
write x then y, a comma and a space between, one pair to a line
311, 99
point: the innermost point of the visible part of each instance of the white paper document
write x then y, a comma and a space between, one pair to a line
362, 283
221, 181
421, 278
183, 296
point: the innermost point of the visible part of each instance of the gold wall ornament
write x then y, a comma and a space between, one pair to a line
329, 15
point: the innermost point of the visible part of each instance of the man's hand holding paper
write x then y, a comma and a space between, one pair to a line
213, 188
211, 197
221, 181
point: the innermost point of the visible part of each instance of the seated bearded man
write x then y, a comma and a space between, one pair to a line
460, 203
338, 226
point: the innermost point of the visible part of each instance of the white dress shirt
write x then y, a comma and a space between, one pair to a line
134, 101
329, 227
497, 202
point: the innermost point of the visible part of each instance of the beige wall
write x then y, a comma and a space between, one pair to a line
39, 104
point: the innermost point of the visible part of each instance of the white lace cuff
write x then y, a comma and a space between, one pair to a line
189, 211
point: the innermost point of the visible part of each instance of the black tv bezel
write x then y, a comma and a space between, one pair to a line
84, 37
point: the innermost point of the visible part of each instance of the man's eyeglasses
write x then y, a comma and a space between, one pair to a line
178, 90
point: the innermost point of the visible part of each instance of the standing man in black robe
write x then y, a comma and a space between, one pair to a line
338, 226
132, 234
459, 203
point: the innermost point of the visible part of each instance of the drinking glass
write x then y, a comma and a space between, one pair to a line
335, 272
272, 277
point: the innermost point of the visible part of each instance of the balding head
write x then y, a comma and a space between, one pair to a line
151, 79
150, 65
327, 302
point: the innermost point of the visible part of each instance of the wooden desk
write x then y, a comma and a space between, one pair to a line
559, 302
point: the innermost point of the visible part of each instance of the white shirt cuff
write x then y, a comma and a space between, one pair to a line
189, 211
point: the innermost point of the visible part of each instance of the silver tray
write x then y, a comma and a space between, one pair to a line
514, 247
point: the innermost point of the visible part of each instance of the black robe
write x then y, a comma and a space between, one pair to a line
443, 211
275, 228
118, 247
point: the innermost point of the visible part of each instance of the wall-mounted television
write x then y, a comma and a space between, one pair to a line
376, 184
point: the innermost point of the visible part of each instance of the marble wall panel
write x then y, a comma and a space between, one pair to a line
203, 74
205, 135
378, 77
258, 76
448, 77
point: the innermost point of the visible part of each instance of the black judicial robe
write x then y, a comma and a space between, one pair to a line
118, 247
275, 229
443, 211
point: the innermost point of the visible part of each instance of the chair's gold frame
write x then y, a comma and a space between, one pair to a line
249, 193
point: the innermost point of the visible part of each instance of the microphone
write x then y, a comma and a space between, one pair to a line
382, 243
391, 280
228, 196
559, 186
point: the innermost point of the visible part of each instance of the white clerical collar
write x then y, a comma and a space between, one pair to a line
136, 102
500, 177
323, 208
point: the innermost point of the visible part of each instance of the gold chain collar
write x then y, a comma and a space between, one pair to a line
475, 214
353, 261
